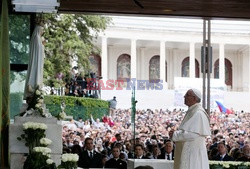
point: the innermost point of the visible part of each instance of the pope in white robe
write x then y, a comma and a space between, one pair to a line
191, 152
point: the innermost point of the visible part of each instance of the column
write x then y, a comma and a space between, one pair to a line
222, 62
176, 70
169, 67
133, 58
249, 68
162, 62
110, 63
192, 60
104, 59
142, 70
170, 63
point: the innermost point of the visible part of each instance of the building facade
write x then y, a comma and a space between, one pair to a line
164, 49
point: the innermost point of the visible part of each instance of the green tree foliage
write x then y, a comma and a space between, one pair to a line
19, 38
69, 37
19, 28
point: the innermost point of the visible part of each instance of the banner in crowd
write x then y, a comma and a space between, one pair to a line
182, 84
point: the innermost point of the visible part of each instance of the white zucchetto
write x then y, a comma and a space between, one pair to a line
196, 92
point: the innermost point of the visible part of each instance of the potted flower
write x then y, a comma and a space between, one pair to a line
69, 161
33, 133
228, 165
39, 158
44, 142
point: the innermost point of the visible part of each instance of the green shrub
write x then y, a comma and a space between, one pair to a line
77, 106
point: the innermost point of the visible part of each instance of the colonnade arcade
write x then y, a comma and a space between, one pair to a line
128, 61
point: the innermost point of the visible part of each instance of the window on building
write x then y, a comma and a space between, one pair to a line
185, 68
228, 71
123, 67
95, 64
154, 69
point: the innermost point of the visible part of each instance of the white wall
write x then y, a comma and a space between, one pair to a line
164, 99
245, 68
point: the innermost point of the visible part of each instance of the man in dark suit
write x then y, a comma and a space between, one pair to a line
167, 152
89, 158
118, 140
116, 162
246, 154
222, 153
155, 152
139, 151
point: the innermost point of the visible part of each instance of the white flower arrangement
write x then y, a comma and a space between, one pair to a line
49, 161
36, 103
38, 91
228, 164
45, 141
43, 150
34, 126
70, 157
41, 101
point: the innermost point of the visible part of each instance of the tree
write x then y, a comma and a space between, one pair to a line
19, 28
67, 37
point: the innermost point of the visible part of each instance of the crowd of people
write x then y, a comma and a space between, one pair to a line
111, 137
82, 86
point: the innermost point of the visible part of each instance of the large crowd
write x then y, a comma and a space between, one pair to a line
82, 86
230, 135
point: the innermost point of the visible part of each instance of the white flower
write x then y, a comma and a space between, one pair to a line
38, 105
226, 165
40, 101
43, 150
247, 163
38, 92
45, 141
33, 125
70, 157
49, 161
215, 162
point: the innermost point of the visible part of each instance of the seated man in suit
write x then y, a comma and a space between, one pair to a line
222, 153
89, 158
139, 152
167, 152
155, 152
246, 153
116, 162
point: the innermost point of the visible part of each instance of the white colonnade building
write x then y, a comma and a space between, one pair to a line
169, 49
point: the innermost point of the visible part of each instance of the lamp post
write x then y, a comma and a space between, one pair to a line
133, 111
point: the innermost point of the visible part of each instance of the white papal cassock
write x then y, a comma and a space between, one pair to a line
191, 152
